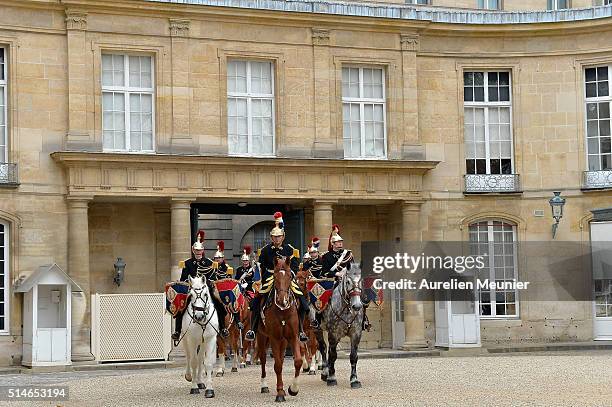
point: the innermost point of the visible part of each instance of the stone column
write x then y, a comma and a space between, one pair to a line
386, 314
78, 269
323, 220
180, 234
414, 319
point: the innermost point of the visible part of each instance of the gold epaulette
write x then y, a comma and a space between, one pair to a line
295, 288
296, 253
215, 265
301, 266
230, 270
181, 264
259, 252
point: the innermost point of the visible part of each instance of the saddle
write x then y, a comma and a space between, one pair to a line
320, 291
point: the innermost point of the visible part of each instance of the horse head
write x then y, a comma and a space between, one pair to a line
282, 282
301, 278
350, 283
199, 297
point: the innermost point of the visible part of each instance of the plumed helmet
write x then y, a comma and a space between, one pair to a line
314, 245
199, 242
334, 236
279, 228
246, 253
220, 248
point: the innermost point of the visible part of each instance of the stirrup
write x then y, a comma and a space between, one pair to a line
176, 335
314, 324
240, 325
250, 336
303, 337
367, 325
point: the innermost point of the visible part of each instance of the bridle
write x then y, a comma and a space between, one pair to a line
198, 295
346, 296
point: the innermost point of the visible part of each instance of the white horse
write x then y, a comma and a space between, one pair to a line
199, 336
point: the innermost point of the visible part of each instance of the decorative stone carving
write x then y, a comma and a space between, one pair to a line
179, 27
320, 36
76, 20
409, 42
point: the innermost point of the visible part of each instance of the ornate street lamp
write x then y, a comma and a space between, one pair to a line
119, 271
556, 204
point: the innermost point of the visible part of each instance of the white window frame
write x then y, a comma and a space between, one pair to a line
249, 96
419, 2
491, 273
597, 99
7, 308
4, 89
127, 91
365, 101
486, 105
554, 5
486, 5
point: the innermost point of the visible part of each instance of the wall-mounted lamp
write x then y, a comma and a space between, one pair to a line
119, 271
556, 204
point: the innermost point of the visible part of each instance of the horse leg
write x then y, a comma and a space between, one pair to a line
209, 362
297, 363
235, 334
312, 362
194, 362
187, 348
220, 356
323, 352
278, 350
262, 345
331, 360
355, 339
200, 359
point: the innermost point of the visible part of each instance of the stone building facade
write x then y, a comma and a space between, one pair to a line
395, 121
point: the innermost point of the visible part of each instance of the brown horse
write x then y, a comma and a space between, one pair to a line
239, 346
309, 348
280, 327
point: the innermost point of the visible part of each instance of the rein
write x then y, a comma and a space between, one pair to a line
346, 296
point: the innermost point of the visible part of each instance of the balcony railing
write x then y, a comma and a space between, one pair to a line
8, 174
597, 179
482, 183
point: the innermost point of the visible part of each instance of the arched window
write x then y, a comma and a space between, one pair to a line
258, 235
497, 238
4, 278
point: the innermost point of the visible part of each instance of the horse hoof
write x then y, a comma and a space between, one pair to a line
320, 367
355, 385
234, 369
188, 377
332, 382
209, 394
291, 392
312, 373
265, 390
201, 386
280, 399
219, 374
324, 378
304, 370
249, 363
195, 391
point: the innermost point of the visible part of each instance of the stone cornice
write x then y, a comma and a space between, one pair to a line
76, 20
110, 174
179, 27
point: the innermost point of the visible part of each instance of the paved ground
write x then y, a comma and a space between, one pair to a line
551, 379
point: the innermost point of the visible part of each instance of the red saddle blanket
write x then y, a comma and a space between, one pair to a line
177, 293
320, 292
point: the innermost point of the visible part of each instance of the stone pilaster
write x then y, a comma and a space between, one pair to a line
182, 141
386, 312
410, 147
323, 220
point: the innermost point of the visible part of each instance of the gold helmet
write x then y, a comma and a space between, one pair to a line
314, 245
279, 228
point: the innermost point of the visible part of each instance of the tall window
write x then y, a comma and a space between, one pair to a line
3, 107
4, 279
250, 108
497, 239
364, 112
418, 1
489, 4
127, 102
558, 4
488, 122
598, 106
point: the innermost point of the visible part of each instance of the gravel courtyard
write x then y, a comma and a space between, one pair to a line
569, 379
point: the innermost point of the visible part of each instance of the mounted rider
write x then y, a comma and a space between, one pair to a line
245, 272
276, 249
314, 262
197, 266
337, 261
223, 271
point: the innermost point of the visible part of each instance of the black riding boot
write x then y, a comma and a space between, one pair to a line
237, 321
302, 311
221, 313
178, 325
250, 335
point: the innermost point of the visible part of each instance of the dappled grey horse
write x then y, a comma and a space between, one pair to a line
342, 317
